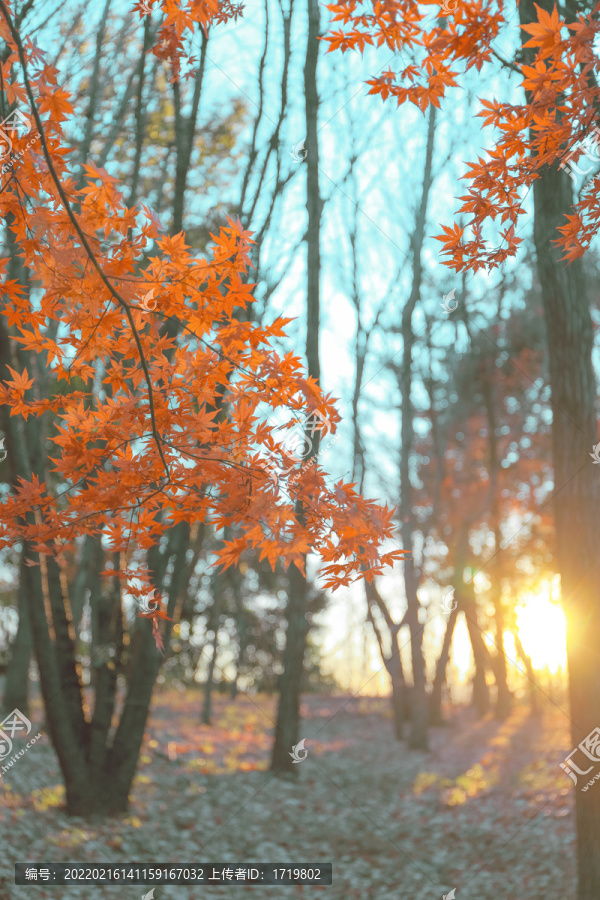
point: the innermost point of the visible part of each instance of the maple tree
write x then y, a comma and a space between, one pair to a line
160, 420
556, 68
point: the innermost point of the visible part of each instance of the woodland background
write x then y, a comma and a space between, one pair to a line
444, 414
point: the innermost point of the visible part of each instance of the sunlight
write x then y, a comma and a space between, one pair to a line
543, 628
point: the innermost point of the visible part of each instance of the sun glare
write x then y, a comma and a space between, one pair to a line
543, 629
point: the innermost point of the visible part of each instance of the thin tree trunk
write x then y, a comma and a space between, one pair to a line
94, 93
242, 629
533, 694
287, 731
185, 130
208, 686
393, 662
140, 112
504, 697
435, 700
288, 709
481, 694
419, 717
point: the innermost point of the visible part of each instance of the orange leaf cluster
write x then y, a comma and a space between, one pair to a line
161, 413
561, 108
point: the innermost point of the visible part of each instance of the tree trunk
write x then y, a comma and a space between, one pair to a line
242, 629
435, 701
481, 694
393, 663
419, 714
16, 688
288, 710
287, 731
576, 483
504, 696
185, 130
533, 697
208, 686
399, 698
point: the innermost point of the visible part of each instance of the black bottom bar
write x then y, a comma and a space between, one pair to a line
174, 873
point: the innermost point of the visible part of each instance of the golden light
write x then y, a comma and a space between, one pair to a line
543, 628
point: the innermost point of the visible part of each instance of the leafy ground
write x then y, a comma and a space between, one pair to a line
486, 811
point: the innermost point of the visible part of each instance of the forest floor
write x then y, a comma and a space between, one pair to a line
486, 810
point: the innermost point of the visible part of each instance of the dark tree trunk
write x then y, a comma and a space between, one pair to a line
504, 696
435, 700
393, 663
419, 713
210, 676
533, 690
481, 694
185, 130
576, 484
577, 491
242, 629
288, 709
399, 697
287, 732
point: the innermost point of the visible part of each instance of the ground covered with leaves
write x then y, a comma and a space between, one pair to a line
486, 810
